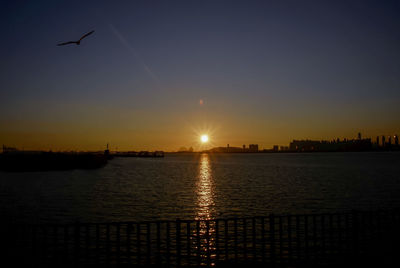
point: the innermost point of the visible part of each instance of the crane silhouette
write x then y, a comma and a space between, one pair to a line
75, 42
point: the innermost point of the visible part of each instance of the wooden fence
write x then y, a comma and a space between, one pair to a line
274, 240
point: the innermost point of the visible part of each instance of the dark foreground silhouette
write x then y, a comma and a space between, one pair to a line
47, 161
353, 239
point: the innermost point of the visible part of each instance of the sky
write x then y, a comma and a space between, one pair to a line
155, 75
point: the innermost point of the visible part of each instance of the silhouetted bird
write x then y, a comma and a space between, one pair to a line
76, 42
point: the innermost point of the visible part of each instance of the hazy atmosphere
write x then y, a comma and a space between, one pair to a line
157, 74
182, 134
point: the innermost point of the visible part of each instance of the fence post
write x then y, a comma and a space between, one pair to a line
280, 239
76, 243
306, 242
44, 244
245, 239
272, 238
108, 245
298, 245
188, 243
56, 255
198, 242
315, 248
331, 242
97, 244
289, 230
323, 248
235, 237
148, 242
226, 240
208, 242
87, 252
347, 232
339, 234
263, 240
216, 240
254, 239
118, 244
128, 242
178, 242
355, 233
138, 244
168, 245
158, 243
34, 249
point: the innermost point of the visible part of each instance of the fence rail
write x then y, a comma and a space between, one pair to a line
274, 240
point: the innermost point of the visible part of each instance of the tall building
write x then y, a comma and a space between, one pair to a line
359, 135
396, 140
330, 146
253, 147
377, 140
383, 141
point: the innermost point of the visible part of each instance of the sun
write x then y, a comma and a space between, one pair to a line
204, 138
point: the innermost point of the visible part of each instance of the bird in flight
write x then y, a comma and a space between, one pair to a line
75, 42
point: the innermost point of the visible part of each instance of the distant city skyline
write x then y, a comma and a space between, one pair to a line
155, 75
205, 145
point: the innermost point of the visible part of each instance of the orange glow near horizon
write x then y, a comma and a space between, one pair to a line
225, 78
153, 132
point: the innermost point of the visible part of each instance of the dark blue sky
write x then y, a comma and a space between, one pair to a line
267, 71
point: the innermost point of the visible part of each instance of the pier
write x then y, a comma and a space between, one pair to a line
139, 154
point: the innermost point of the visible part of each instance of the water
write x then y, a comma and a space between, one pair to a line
204, 186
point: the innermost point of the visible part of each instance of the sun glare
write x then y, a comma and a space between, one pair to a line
204, 138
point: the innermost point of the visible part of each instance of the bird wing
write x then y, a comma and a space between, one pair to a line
89, 33
67, 43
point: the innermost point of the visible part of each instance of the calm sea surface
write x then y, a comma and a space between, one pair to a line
202, 186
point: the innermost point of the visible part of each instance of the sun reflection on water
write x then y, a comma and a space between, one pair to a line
205, 200
206, 208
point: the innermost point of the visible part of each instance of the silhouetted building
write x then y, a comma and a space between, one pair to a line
330, 146
182, 149
390, 140
226, 150
396, 140
107, 152
359, 135
304, 145
253, 147
275, 148
377, 140
383, 141
9, 149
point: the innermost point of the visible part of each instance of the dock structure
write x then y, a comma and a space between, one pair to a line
353, 238
139, 154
